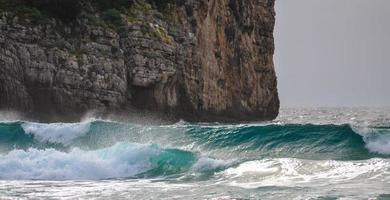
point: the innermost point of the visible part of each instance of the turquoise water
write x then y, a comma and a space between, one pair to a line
304, 154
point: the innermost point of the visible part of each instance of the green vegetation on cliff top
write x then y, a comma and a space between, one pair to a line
69, 10
112, 14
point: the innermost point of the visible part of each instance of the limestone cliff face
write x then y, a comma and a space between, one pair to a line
209, 60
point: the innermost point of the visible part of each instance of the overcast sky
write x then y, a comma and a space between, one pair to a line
333, 52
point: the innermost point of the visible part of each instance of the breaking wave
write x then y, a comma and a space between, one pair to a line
109, 150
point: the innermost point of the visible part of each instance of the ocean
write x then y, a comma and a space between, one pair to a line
306, 153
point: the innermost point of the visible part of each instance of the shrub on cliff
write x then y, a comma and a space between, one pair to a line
69, 10
6, 5
65, 10
163, 5
110, 4
30, 13
113, 18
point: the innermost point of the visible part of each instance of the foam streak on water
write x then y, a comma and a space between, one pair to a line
304, 154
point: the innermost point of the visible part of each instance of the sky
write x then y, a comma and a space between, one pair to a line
333, 52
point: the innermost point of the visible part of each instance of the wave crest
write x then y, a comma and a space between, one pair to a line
339, 142
122, 160
377, 139
63, 133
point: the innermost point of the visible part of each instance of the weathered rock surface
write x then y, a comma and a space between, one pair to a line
215, 62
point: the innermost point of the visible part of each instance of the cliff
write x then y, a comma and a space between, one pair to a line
202, 60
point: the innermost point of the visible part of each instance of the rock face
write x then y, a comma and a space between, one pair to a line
209, 60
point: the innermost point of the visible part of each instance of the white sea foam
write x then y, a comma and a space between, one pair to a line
206, 164
119, 161
296, 172
379, 145
62, 133
377, 140
254, 168
123, 160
